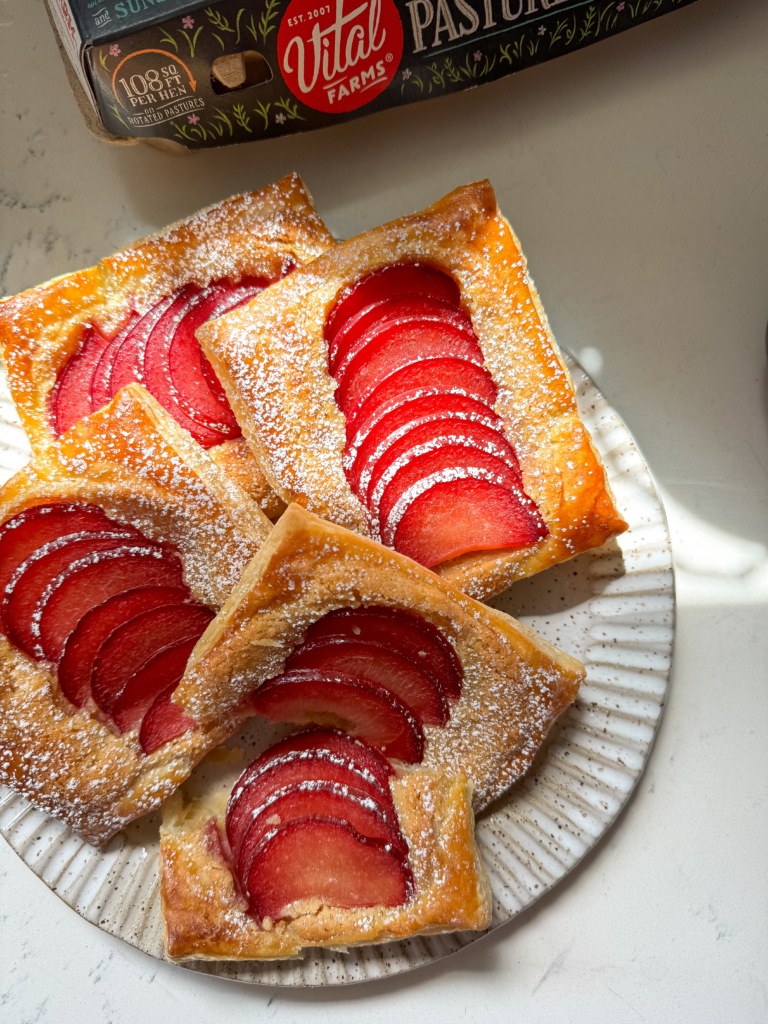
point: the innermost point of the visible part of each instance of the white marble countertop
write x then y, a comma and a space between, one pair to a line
636, 174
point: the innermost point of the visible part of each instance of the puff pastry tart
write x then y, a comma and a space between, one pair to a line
70, 345
422, 704
331, 627
340, 849
407, 386
118, 543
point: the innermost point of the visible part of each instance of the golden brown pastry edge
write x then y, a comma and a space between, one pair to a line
205, 917
255, 234
516, 684
144, 470
272, 360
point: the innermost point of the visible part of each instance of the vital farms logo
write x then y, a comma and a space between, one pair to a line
339, 56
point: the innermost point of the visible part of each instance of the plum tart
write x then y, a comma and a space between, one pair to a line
323, 842
118, 543
70, 345
332, 628
419, 706
406, 385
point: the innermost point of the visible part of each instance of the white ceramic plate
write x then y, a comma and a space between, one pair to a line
613, 608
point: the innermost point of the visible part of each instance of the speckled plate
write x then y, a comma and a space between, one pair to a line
613, 608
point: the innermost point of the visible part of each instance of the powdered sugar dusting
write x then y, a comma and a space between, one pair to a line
514, 683
206, 916
273, 359
389, 527
135, 463
260, 234
257, 233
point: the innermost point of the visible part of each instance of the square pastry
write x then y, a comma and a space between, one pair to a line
420, 705
329, 627
69, 345
353, 854
118, 544
406, 385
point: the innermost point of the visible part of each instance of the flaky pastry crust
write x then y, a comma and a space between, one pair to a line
273, 361
515, 683
205, 917
256, 234
236, 460
134, 461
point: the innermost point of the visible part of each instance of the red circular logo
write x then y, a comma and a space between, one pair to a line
340, 55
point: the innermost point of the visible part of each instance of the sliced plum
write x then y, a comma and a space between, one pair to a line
397, 347
100, 394
24, 533
376, 770
130, 361
443, 464
404, 632
326, 799
130, 646
102, 366
89, 582
379, 665
71, 397
462, 515
165, 721
391, 282
326, 859
157, 376
365, 710
188, 381
364, 450
438, 437
125, 344
37, 576
405, 357
362, 331
356, 325
229, 296
163, 671
274, 771
83, 644
431, 376
192, 389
